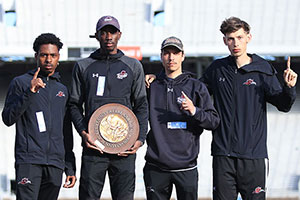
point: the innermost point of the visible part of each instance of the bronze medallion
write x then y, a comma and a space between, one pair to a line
114, 128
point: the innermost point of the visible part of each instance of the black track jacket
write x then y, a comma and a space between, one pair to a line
240, 97
34, 144
124, 84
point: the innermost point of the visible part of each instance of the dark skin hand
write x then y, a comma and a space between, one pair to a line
70, 182
132, 150
36, 83
90, 144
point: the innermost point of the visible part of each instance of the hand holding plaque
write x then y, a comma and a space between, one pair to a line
113, 128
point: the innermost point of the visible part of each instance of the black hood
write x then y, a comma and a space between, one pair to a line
259, 64
179, 79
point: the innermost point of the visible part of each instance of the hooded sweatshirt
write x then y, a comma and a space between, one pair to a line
173, 140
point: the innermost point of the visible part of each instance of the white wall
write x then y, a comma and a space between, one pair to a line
275, 24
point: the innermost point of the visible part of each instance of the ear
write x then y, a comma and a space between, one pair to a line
183, 57
36, 55
224, 40
97, 37
249, 37
120, 34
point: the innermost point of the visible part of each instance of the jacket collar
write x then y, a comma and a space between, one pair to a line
55, 76
182, 77
258, 64
100, 55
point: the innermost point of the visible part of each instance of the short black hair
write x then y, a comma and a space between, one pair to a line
46, 38
233, 24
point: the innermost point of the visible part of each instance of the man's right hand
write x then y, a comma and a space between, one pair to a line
36, 83
88, 141
149, 78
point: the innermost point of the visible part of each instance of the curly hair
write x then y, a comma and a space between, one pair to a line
46, 38
233, 24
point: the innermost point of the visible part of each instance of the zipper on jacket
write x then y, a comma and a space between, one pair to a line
50, 118
231, 131
107, 75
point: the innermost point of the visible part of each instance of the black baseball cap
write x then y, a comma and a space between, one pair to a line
172, 41
105, 21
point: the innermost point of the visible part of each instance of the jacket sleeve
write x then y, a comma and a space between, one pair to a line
16, 103
70, 166
139, 101
282, 97
206, 80
206, 115
76, 100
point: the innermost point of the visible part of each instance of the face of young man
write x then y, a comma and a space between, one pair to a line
172, 59
47, 58
108, 37
237, 42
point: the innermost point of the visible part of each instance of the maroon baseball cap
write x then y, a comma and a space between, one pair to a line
105, 21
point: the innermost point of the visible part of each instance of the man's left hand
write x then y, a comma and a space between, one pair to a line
290, 77
132, 150
70, 181
188, 105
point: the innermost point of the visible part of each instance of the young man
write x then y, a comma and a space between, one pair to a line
36, 103
107, 76
242, 84
180, 108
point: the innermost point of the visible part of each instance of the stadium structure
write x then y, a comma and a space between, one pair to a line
275, 28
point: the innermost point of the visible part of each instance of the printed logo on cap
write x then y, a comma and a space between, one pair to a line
108, 19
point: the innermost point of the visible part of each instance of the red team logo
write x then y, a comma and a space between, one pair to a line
24, 181
122, 74
258, 190
249, 82
181, 99
60, 94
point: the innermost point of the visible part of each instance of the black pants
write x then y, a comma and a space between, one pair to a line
121, 172
159, 183
235, 175
40, 182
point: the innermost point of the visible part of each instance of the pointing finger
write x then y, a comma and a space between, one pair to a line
36, 73
183, 94
186, 98
288, 64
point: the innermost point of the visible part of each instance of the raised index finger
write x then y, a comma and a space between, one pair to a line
36, 73
288, 64
183, 94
